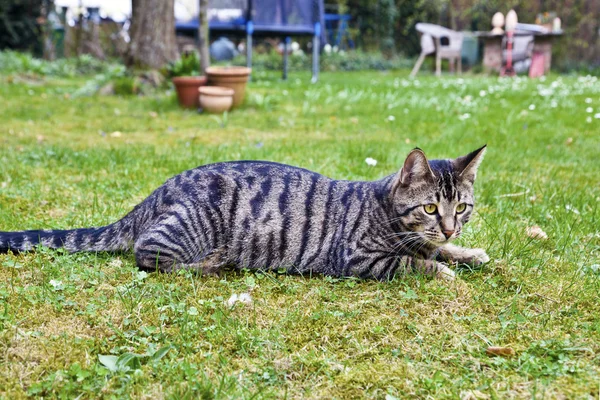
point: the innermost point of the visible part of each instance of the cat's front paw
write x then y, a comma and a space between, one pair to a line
445, 273
476, 257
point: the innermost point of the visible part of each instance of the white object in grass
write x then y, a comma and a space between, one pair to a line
244, 298
535, 232
371, 161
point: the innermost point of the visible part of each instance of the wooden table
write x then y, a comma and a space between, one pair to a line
492, 48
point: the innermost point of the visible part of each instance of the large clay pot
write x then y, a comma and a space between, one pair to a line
215, 99
187, 90
231, 77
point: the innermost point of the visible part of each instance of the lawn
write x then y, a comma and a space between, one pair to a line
89, 325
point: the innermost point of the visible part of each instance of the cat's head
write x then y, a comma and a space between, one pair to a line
435, 198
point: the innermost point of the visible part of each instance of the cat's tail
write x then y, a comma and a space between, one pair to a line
114, 237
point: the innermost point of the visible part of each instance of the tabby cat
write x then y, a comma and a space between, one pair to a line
264, 215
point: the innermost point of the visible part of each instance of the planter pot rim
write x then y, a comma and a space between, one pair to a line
189, 80
216, 91
228, 71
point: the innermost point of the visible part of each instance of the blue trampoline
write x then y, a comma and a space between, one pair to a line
283, 18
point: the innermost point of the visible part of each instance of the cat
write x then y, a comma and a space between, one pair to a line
268, 216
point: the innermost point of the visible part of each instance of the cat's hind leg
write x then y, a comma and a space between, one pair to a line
168, 247
462, 255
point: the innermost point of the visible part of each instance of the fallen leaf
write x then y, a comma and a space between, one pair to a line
116, 134
500, 351
569, 141
535, 232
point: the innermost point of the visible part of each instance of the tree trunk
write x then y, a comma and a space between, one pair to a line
46, 28
203, 36
152, 34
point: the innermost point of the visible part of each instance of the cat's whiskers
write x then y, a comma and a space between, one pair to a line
408, 244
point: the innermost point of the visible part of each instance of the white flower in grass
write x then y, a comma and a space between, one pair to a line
244, 298
464, 116
589, 110
553, 104
589, 119
572, 209
588, 100
371, 161
597, 115
391, 118
532, 107
482, 93
57, 285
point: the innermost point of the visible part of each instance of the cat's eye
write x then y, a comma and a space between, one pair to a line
461, 207
430, 208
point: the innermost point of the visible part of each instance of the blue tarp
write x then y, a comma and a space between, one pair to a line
269, 17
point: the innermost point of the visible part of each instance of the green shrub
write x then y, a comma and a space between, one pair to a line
335, 61
18, 25
125, 85
187, 65
12, 62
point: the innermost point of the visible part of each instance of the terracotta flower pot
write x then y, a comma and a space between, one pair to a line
215, 99
187, 90
231, 77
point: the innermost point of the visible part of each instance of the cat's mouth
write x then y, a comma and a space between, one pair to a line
437, 240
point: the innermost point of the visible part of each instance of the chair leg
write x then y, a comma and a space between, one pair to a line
459, 61
438, 65
451, 64
417, 66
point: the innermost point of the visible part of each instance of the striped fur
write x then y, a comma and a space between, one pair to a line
263, 215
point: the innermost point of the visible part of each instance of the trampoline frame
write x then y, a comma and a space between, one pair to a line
250, 29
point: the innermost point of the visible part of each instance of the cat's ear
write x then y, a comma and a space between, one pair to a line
467, 165
415, 169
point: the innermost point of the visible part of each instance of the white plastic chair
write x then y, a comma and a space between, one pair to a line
447, 44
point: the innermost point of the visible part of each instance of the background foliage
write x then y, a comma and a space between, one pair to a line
18, 27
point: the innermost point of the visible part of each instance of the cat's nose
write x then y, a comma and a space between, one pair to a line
447, 233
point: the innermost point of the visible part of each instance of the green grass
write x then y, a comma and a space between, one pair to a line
62, 165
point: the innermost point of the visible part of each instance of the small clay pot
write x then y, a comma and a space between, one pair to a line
215, 99
187, 90
231, 77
